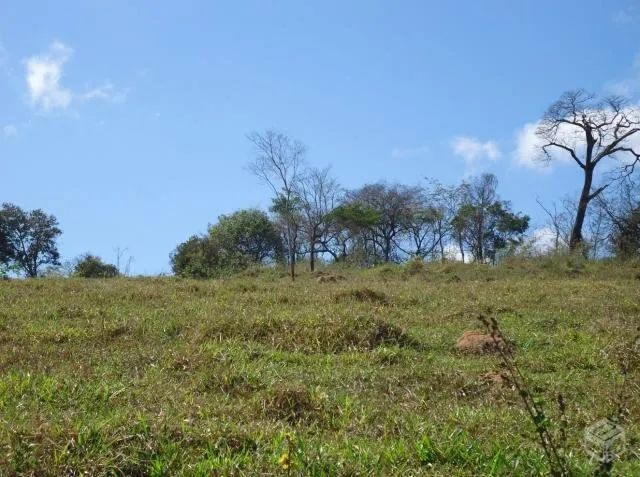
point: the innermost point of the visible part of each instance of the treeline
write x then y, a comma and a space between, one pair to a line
312, 217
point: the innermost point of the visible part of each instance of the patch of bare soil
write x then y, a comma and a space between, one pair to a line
479, 342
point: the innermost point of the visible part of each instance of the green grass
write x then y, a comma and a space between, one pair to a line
162, 376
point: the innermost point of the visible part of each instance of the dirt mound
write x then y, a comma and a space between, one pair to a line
479, 342
292, 405
495, 379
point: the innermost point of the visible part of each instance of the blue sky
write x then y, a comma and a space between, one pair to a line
127, 120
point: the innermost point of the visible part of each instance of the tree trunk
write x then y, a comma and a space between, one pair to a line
32, 269
312, 257
461, 248
292, 252
387, 250
313, 236
480, 239
576, 232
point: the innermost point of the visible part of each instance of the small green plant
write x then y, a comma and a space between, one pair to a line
534, 405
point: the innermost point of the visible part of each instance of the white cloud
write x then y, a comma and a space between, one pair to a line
474, 152
529, 154
43, 78
10, 130
543, 239
44, 75
628, 87
528, 145
471, 149
409, 152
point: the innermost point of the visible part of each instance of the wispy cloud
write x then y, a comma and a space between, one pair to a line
630, 86
4, 59
106, 92
627, 15
44, 74
409, 152
10, 130
475, 152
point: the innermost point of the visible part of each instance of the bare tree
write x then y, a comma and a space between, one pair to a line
393, 204
318, 193
590, 131
620, 208
120, 254
422, 230
278, 163
560, 220
598, 231
472, 218
424, 224
445, 200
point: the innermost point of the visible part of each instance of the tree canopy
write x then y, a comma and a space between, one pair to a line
28, 239
91, 266
235, 242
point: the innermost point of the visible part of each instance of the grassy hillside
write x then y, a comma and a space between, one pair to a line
354, 377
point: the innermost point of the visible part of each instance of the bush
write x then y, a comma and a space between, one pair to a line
91, 266
244, 239
415, 266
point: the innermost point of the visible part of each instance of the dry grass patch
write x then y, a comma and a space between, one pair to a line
366, 295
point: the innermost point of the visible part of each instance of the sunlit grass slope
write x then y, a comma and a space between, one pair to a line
357, 376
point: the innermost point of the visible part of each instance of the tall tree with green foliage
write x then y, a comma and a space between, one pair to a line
351, 222
235, 242
484, 223
6, 255
246, 237
197, 257
29, 238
